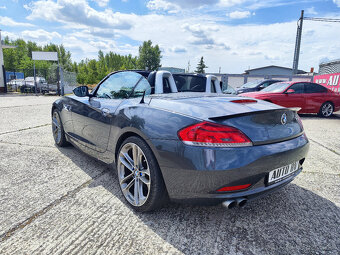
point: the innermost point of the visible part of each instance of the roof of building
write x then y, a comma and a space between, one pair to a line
328, 62
282, 67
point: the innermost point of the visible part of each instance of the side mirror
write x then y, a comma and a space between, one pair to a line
290, 91
81, 91
261, 87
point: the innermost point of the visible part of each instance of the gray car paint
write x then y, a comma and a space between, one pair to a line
189, 172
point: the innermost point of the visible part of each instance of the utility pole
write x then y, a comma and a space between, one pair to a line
297, 44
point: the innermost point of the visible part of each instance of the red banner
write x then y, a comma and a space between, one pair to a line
330, 81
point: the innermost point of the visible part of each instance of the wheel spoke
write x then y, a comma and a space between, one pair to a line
55, 122
126, 161
126, 178
136, 191
128, 186
146, 181
135, 155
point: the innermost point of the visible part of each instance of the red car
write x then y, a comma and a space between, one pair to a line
310, 97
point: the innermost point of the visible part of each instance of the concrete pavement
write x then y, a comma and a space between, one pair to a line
60, 201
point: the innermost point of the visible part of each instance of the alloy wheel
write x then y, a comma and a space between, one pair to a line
327, 109
134, 174
56, 127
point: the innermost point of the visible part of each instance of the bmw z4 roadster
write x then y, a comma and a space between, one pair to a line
205, 148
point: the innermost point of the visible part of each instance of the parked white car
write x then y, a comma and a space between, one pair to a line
42, 85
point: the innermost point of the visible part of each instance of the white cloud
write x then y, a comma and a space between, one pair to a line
178, 49
312, 10
175, 6
40, 35
337, 2
162, 5
239, 14
102, 3
3, 7
77, 13
229, 3
8, 22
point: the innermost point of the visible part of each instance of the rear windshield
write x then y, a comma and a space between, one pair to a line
190, 83
277, 87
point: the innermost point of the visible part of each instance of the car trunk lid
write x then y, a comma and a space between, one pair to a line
261, 121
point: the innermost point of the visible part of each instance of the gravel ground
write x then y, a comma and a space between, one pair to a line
57, 201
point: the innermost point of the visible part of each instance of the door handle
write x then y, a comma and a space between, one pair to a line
105, 112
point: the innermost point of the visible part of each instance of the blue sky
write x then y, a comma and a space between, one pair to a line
231, 34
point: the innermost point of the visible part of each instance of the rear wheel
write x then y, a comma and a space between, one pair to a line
58, 130
326, 110
139, 176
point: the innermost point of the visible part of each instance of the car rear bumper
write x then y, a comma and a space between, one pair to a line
194, 174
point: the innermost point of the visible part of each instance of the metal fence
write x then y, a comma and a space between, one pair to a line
47, 80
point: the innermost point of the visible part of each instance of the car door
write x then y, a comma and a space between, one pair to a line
315, 97
93, 116
296, 98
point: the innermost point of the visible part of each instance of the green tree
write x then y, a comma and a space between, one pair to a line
201, 66
149, 56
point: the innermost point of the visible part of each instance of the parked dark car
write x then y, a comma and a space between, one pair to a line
309, 97
255, 85
205, 148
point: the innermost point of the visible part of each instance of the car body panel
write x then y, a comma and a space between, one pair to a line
308, 102
198, 172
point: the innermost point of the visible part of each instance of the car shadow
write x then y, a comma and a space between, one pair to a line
293, 220
335, 115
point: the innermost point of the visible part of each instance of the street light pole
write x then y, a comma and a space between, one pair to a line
297, 44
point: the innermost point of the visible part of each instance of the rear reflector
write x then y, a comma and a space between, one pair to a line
214, 135
234, 188
244, 101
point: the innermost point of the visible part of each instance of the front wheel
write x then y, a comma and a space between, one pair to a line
326, 110
139, 176
58, 130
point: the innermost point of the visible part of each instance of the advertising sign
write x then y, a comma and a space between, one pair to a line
43, 55
330, 81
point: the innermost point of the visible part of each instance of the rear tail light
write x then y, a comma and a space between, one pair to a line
214, 135
234, 188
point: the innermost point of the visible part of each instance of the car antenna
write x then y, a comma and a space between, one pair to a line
142, 101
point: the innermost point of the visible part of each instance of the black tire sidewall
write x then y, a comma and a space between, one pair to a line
158, 195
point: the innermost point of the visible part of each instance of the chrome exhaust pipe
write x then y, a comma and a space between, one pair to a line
241, 202
229, 204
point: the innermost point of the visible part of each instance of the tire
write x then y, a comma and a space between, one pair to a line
58, 130
326, 110
140, 181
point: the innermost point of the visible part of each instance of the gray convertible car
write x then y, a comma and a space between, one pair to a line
193, 147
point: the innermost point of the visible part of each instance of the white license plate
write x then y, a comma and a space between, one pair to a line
282, 172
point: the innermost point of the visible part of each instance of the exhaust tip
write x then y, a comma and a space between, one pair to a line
229, 204
241, 202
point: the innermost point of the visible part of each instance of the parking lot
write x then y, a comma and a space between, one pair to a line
58, 200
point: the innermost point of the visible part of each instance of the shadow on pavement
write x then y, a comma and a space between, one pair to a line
291, 221
335, 115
